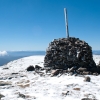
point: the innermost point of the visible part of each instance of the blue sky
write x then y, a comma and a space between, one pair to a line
33, 24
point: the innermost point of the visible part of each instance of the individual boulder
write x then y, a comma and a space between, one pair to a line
88, 99
77, 89
37, 67
55, 72
30, 68
1, 96
87, 79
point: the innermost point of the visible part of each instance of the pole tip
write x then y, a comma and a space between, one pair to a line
64, 8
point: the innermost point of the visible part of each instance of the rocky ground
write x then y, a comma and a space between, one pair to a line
16, 83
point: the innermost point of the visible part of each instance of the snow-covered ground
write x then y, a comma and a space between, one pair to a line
96, 59
18, 84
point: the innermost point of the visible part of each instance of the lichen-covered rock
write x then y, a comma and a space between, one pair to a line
69, 52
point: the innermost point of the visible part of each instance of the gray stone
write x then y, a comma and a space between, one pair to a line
37, 67
55, 72
87, 79
86, 73
82, 69
1, 96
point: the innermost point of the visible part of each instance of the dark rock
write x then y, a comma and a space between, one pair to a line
98, 69
22, 95
65, 93
5, 68
37, 67
77, 89
82, 69
87, 79
30, 68
10, 78
42, 69
88, 99
1, 96
14, 73
3, 83
93, 70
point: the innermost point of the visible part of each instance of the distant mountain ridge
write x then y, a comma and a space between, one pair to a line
14, 55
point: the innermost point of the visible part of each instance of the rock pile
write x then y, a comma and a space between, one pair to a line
67, 53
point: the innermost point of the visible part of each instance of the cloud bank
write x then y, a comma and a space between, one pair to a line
3, 53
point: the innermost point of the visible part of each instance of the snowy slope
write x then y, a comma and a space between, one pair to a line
23, 85
96, 58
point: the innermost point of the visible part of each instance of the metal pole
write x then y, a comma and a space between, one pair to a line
66, 22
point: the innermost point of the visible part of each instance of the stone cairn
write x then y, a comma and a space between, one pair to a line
71, 54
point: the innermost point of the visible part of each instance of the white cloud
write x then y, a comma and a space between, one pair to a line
3, 53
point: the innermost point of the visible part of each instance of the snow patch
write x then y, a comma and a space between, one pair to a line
96, 58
